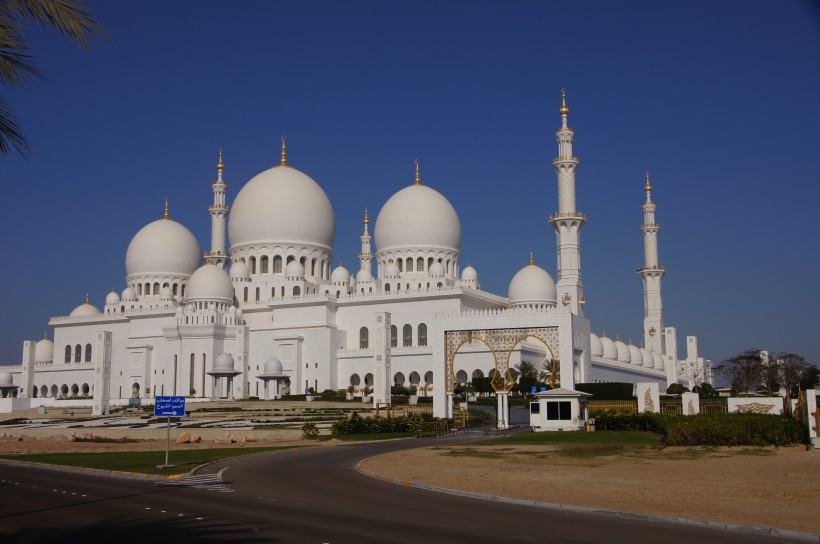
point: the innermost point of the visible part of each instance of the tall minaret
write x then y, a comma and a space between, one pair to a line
651, 274
366, 256
219, 215
568, 222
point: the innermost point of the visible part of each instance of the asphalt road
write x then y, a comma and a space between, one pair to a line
305, 496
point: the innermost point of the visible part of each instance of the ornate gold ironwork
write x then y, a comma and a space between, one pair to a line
755, 408
648, 403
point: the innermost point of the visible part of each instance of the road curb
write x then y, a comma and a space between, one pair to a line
96, 471
803, 537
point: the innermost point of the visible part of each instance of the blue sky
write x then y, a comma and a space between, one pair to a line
719, 100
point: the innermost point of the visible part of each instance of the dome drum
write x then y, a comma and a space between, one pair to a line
262, 261
420, 263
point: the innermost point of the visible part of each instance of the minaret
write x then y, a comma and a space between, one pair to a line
366, 256
219, 216
568, 222
651, 274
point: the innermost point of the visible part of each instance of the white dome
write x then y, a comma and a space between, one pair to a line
5, 378
44, 350
417, 217
469, 274
85, 310
657, 360
532, 285
610, 351
635, 356
112, 298
364, 275
273, 366
295, 268
224, 362
646, 357
129, 294
391, 269
340, 274
596, 347
163, 247
282, 205
210, 283
623, 352
436, 269
240, 270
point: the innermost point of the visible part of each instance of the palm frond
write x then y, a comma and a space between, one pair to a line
73, 18
17, 66
10, 134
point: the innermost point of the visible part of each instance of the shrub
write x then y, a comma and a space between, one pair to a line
705, 390
331, 394
356, 424
607, 391
309, 430
676, 389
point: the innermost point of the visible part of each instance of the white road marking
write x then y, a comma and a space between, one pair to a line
209, 482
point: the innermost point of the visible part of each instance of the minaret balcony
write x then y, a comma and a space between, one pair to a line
650, 226
575, 160
568, 215
652, 269
218, 208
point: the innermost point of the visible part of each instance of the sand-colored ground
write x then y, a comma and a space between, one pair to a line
762, 487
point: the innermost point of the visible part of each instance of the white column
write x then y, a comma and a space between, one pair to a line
381, 359
27, 377
102, 373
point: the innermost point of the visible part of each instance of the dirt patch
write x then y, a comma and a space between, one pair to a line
763, 487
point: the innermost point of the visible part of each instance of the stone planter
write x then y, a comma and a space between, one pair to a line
309, 398
365, 398
413, 400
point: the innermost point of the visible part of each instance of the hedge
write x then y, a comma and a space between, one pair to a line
607, 391
357, 424
708, 430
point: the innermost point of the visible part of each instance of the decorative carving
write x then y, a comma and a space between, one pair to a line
501, 343
648, 403
755, 408
690, 409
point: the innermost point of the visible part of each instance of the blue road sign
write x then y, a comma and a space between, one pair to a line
169, 406
534, 389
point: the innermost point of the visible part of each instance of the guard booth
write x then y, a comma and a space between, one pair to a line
559, 410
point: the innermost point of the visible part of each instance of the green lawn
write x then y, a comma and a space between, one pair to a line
630, 438
139, 461
374, 436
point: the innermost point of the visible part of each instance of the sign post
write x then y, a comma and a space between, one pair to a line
168, 407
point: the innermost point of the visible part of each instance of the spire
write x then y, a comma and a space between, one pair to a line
219, 166
564, 108
284, 160
648, 188
45, 335
165, 215
366, 221
86, 298
532, 259
418, 173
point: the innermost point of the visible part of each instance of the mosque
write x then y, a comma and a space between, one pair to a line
270, 307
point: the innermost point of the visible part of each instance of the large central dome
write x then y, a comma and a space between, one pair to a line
282, 206
418, 217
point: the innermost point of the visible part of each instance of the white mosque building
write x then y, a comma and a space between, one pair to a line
270, 306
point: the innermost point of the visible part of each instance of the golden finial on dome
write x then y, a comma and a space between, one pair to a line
366, 219
165, 215
86, 298
603, 333
45, 335
532, 259
284, 160
564, 108
418, 173
648, 186
220, 165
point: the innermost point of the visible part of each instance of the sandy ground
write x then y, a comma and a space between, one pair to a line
763, 487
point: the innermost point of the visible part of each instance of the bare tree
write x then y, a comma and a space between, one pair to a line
743, 371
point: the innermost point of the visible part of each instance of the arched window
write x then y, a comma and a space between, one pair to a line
429, 263
364, 338
263, 265
394, 336
257, 294
67, 355
245, 297
420, 264
253, 265
297, 291
290, 259
183, 290
78, 353
422, 337
273, 292
277, 265
303, 262
313, 267
407, 336
139, 289
156, 288
338, 294
175, 289
400, 264
166, 284
386, 287
88, 353
410, 264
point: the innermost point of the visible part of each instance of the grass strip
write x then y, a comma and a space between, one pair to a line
140, 461
363, 437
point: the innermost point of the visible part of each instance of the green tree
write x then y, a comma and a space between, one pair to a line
18, 68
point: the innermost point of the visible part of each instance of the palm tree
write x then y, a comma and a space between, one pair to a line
72, 18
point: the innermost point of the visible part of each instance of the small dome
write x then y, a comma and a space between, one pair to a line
610, 351
273, 366
340, 274
240, 270
85, 310
623, 352
436, 269
295, 269
210, 283
532, 285
596, 347
469, 274
44, 350
112, 298
635, 356
5, 378
129, 294
417, 217
391, 269
166, 293
224, 362
163, 247
657, 361
646, 357
364, 275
